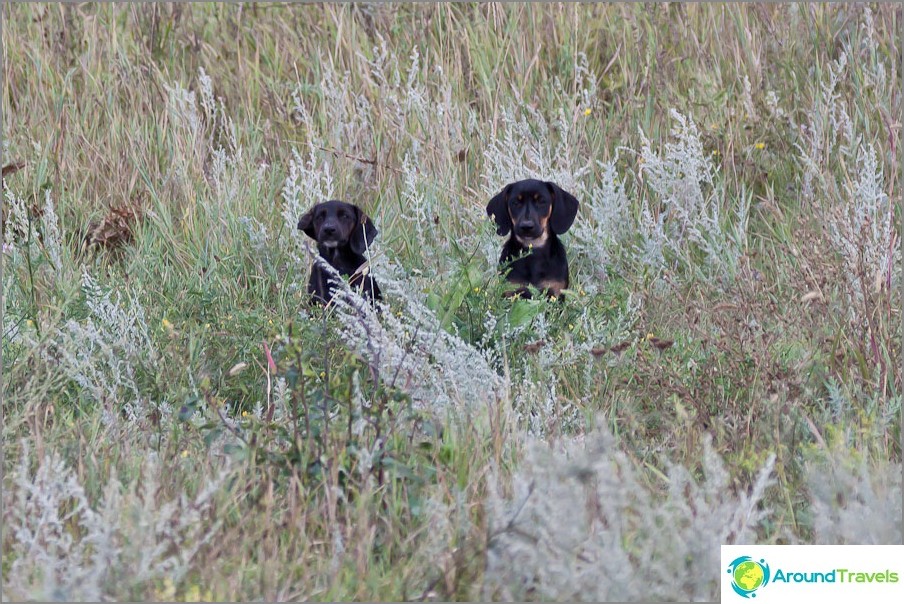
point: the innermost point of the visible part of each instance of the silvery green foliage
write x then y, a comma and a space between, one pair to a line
187, 129
449, 527
858, 213
604, 220
104, 352
410, 349
182, 105
529, 145
776, 112
50, 231
540, 411
258, 237
66, 548
876, 71
199, 130
828, 122
13, 322
421, 209
17, 228
581, 524
219, 122
27, 241
862, 230
225, 163
687, 206
537, 407
829, 127
586, 96
416, 101
411, 103
855, 501
24, 235
308, 182
349, 114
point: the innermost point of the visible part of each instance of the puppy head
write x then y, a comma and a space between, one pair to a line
533, 208
334, 224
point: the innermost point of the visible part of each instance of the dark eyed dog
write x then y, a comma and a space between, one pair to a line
535, 212
342, 232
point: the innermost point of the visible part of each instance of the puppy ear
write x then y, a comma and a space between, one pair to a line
564, 209
498, 209
306, 223
363, 233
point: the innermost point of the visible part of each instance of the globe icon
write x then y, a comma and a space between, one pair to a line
748, 575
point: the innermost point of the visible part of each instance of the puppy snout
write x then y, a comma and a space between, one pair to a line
328, 230
527, 228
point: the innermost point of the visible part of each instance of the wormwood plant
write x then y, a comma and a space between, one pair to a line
685, 217
582, 523
65, 547
855, 500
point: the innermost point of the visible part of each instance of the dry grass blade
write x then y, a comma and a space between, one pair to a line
660, 343
12, 168
620, 347
534, 347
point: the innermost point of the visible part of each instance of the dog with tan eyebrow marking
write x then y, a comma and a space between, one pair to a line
535, 213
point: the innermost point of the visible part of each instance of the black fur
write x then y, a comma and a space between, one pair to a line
535, 213
342, 232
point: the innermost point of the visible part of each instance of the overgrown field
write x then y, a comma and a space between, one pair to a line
180, 424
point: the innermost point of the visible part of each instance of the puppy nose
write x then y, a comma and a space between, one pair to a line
525, 228
328, 229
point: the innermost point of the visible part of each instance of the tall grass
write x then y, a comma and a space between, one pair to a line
179, 424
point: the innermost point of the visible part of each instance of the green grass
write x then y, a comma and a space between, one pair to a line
759, 362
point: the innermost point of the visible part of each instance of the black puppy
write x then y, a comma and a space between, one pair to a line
535, 212
342, 232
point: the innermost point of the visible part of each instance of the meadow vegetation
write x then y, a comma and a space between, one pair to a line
179, 424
